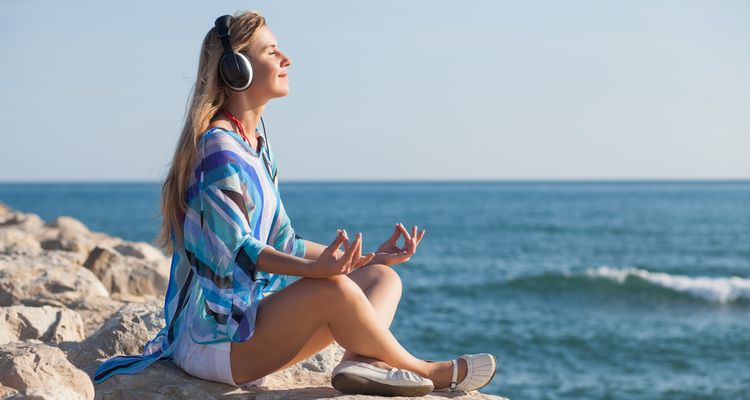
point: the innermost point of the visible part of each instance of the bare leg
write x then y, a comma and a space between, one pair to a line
300, 310
382, 286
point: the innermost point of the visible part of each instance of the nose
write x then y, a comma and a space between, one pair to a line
285, 61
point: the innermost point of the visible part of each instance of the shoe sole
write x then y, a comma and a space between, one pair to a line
354, 384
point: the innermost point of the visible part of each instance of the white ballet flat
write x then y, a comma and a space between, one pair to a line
481, 371
362, 378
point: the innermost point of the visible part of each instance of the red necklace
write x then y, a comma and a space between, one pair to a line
238, 123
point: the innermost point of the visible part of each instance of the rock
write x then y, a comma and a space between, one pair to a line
95, 311
69, 226
17, 241
49, 280
77, 245
165, 380
323, 361
26, 222
40, 371
50, 295
127, 275
7, 392
124, 333
48, 324
140, 250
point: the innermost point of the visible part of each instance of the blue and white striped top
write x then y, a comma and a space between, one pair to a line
214, 284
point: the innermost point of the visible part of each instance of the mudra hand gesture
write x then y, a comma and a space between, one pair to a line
390, 254
333, 262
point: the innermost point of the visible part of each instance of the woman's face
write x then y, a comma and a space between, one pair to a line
269, 67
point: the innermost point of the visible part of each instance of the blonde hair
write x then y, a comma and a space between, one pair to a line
208, 98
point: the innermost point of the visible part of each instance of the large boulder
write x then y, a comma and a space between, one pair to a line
49, 280
46, 323
69, 234
309, 379
69, 226
141, 250
128, 275
124, 333
95, 311
165, 380
17, 241
24, 221
40, 371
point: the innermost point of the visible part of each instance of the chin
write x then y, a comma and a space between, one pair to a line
281, 93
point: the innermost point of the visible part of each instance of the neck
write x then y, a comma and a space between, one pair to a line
247, 111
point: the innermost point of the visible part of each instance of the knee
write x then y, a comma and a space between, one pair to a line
385, 275
340, 287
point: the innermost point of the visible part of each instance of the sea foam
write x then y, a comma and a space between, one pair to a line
717, 289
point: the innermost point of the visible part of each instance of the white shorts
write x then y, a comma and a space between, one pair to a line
208, 361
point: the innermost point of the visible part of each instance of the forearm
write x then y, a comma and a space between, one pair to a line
313, 250
277, 262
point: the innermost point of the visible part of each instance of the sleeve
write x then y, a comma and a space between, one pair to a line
283, 236
223, 248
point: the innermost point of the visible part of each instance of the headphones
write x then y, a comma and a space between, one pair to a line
234, 68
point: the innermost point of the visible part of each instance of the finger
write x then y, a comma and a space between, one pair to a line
365, 260
412, 245
394, 236
414, 232
356, 254
347, 243
397, 258
335, 244
359, 250
421, 235
349, 254
404, 232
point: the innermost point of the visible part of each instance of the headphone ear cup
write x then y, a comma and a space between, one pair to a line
236, 71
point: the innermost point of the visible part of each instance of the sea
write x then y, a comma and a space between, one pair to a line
581, 289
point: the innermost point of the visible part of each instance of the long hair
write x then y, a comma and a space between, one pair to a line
208, 98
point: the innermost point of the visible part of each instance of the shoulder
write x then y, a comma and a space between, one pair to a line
216, 136
218, 142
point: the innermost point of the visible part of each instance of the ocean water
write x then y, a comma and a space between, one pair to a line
583, 290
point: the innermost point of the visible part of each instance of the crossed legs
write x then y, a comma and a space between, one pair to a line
382, 287
355, 310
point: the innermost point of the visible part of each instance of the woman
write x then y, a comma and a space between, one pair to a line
230, 317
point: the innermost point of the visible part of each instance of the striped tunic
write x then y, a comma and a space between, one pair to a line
214, 283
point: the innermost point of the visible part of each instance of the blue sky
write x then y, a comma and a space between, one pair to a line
392, 90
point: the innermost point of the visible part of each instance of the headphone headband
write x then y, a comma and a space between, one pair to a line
234, 68
222, 29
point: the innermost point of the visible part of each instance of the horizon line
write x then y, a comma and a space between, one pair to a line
399, 181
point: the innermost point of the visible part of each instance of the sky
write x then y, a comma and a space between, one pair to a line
391, 90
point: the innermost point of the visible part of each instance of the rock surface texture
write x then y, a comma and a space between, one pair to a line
70, 298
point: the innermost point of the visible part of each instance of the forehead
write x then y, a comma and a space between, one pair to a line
264, 39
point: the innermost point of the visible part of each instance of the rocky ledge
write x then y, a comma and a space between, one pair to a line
71, 298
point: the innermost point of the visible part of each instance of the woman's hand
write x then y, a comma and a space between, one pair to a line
390, 254
331, 262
